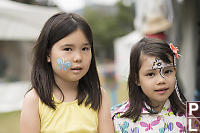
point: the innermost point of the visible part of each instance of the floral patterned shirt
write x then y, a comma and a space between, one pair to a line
163, 122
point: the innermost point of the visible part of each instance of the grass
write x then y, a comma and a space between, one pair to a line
9, 122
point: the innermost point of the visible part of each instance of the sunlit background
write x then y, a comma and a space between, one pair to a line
116, 24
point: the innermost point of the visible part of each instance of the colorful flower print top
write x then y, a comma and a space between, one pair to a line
164, 122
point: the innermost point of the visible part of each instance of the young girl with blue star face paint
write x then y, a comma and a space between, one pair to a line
65, 96
155, 104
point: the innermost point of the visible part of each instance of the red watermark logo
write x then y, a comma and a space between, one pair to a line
193, 116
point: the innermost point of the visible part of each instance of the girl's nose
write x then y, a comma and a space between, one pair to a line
77, 57
160, 79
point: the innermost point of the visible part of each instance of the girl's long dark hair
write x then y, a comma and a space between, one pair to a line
152, 47
42, 77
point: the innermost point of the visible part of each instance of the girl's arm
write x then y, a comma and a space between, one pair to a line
30, 120
104, 115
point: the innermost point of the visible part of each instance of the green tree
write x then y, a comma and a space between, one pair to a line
107, 24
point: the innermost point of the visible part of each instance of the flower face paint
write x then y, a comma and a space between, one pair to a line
165, 69
63, 65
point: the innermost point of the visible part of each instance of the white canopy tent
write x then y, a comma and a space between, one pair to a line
22, 22
19, 22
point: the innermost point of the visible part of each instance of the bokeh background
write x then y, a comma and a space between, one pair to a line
116, 24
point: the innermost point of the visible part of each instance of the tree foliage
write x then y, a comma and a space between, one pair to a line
107, 24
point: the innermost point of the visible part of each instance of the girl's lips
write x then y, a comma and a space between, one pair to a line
162, 91
76, 70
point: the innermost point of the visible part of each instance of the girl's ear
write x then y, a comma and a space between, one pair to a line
48, 59
137, 83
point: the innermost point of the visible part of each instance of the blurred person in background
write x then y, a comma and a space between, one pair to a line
153, 17
155, 27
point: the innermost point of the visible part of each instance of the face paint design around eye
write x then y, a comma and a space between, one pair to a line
159, 64
63, 65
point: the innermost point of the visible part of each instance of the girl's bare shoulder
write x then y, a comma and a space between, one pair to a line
31, 96
29, 119
31, 100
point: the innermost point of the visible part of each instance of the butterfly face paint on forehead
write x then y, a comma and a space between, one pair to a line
63, 65
159, 64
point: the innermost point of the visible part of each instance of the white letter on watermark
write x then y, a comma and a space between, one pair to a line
190, 126
192, 109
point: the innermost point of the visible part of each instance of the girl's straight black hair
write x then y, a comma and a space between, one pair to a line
152, 47
57, 27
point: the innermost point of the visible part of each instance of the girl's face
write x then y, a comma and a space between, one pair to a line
70, 57
156, 78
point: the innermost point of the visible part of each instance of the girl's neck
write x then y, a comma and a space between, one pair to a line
69, 90
158, 106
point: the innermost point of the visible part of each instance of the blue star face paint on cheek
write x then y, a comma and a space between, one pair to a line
63, 65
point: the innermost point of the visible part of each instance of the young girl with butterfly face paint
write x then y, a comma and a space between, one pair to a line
155, 104
65, 96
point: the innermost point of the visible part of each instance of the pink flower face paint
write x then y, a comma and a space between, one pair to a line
63, 65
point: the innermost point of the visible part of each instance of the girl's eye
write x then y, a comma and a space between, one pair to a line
68, 49
86, 48
168, 71
150, 74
